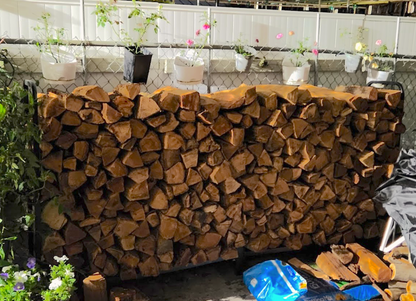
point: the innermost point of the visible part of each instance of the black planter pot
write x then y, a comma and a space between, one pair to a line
136, 66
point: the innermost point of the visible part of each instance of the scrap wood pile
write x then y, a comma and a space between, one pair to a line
147, 182
357, 265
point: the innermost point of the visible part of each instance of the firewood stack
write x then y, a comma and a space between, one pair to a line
155, 181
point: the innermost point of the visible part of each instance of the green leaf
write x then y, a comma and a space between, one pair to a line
2, 254
29, 219
2, 112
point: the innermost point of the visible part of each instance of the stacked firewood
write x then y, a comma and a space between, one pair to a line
155, 181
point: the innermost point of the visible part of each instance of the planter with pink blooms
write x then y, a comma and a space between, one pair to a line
353, 58
380, 64
296, 65
188, 64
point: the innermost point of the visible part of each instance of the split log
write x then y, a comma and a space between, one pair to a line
407, 297
370, 264
394, 293
331, 266
402, 270
95, 288
93, 93
304, 267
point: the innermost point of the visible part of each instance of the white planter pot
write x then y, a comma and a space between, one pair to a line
242, 63
352, 62
377, 75
296, 75
186, 74
65, 70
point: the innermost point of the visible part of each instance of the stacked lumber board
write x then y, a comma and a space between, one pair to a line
148, 182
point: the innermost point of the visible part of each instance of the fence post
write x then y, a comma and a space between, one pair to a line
316, 74
209, 53
84, 50
396, 47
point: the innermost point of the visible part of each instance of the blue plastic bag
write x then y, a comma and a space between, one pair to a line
274, 281
363, 292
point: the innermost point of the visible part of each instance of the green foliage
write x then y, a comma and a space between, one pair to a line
298, 57
50, 38
239, 47
21, 176
357, 38
107, 13
201, 40
5, 76
383, 51
380, 59
34, 284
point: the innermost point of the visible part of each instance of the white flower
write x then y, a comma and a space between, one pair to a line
61, 259
5, 269
57, 282
37, 276
20, 277
358, 46
69, 273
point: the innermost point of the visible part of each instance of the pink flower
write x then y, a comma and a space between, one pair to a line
206, 26
315, 51
198, 32
378, 42
279, 36
190, 42
257, 40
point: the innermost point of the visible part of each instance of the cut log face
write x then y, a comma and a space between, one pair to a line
53, 161
110, 115
93, 93
149, 182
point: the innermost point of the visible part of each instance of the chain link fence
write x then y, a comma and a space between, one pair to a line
102, 64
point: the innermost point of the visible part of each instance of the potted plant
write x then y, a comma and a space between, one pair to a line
353, 58
188, 64
35, 284
137, 59
244, 55
57, 64
380, 66
296, 66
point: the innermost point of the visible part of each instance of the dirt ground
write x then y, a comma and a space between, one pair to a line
221, 281
213, 282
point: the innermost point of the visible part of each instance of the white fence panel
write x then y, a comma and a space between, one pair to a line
183, 22
407, 36
264, 25
381, 28
332, 26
